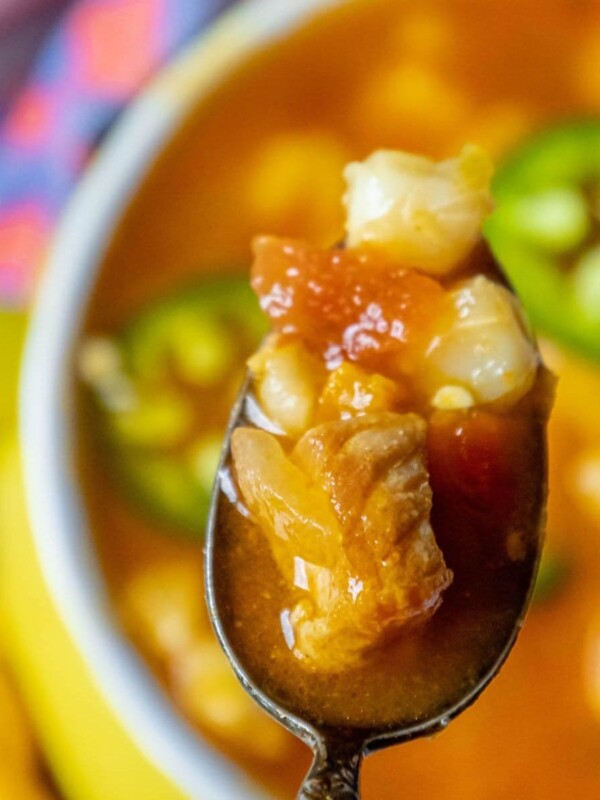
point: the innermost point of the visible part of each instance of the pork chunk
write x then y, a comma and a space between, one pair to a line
379, 568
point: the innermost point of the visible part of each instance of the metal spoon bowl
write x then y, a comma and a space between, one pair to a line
338, 752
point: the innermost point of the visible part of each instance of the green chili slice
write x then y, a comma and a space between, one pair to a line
545, 231
161, 393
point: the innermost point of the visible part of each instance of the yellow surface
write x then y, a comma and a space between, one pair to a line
19, 769
92, 755
12, 333
89, 751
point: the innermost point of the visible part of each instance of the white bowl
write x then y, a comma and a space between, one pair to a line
57, 518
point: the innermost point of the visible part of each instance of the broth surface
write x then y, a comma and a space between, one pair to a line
428, 669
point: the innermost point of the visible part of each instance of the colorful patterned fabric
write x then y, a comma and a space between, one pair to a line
100, 53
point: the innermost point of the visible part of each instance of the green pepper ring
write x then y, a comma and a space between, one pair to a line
562, 157
160, 484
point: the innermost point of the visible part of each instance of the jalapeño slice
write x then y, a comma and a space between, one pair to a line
161, 393
545, 231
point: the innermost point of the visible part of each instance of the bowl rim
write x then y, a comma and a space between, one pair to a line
55, 509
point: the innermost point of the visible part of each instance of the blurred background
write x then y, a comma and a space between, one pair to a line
23, 27
170, 321
34, 36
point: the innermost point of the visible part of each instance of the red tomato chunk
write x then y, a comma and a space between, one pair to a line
339, 303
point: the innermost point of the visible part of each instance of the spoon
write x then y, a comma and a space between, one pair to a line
339, 749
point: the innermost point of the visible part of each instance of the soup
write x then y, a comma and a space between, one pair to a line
373, 558
265, 153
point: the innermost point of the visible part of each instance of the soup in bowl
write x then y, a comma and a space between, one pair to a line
152, 320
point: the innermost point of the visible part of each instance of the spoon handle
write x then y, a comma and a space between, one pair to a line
333, 776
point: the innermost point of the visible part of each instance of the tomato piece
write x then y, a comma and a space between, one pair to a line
346, 305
